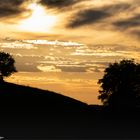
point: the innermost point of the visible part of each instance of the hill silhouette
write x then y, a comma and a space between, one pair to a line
20, 98
31, 113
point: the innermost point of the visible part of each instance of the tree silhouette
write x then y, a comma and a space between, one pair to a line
6, 65
120, 85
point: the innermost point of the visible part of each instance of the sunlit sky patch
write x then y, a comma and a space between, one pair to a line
76, 39
39, 21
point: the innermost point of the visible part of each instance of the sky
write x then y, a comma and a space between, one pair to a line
65, 45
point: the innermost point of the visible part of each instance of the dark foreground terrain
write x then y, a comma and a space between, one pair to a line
17, 98
30, 113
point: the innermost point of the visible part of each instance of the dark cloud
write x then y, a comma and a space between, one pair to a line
136, 34
7, 12
10, 7
93, 15
87, 17
59, 3
11, 2
27, 68
128, 23
72, 68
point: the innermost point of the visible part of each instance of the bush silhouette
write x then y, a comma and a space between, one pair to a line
120, 85
6, 65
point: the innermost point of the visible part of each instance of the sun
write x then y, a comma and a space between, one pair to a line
39, 21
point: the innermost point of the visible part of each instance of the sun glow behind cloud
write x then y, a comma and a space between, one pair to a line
39, 21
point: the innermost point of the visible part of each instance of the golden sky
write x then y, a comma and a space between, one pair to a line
71, 40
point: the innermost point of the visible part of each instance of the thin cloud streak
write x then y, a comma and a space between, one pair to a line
48, 56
